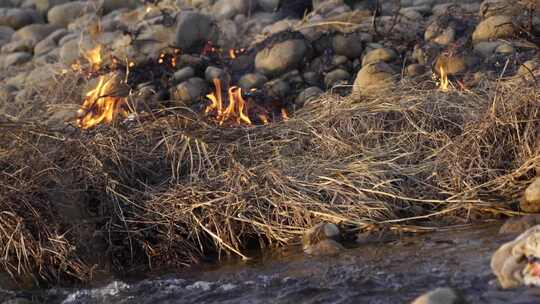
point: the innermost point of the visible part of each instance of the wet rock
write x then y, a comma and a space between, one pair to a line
519, 224
530, 201
280, 57
308, 95
17, 18
379, 54
373, 78
323, 239
336, 77
415, 70
34, 33
494, 27
252, 81
190, 91
15, 59
440, 296
64, 14
350, 45
277, 88
183, 74
194, 30
226, 9
509, 262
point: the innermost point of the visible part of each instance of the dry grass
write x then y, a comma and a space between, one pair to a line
167, 191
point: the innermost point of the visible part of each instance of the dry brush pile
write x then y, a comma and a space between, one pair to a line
172, 189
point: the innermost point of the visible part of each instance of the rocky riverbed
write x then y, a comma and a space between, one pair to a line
395, 272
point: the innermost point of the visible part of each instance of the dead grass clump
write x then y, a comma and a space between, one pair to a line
169, 190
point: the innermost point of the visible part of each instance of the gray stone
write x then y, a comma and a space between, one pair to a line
336, 77
17, 301
442, 36
34, 33
486, 48
213, 72
17, 18
64, 14
17, 46
440, 296
51, 42
194, 30
70, 52
183, 74
5, 34
269, 5
494, 27
505, 49
322, 239
380, 54
519, 224
227, 9
308, 95
411, 14
252, 81
43, 6
373, 78
15, 59
530, 201
415, 69
113, 5
190, 91
350, 45
281, 57
277, 88
312, 78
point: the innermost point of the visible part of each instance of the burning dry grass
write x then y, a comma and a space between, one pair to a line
170, 190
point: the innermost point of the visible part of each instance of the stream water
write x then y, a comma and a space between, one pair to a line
394, 272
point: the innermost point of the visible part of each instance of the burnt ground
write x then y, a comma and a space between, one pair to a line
396, 272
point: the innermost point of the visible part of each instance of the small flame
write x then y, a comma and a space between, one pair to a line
236, 109
264, 119
445, 84
99, 107
284, 114
93, 57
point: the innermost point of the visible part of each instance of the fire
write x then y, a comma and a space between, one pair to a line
93, 57
445, 84
284, 114
236, 108
99, 106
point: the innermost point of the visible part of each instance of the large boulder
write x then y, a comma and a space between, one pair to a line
531, 198
64, 14
17, 18
280, 57
374, 77
194, 30
494, 27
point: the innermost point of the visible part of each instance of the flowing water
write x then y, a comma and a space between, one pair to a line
394, 272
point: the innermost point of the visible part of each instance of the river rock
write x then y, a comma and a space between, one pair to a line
519, 224
281, 57
490, 8
5, 34
183, 74
190, 91
336, 77
323, 239
34, 33
350, 45
308, 95
15, 59
530, 201
43, 6
17, 18
213, 72
373, 78
528, 68
194, 30
252, 81
494, 27
486, 48
51, 42
379, 54
227, 9
440, 35
64, 14
509, 262
440, 296
109, 6
454, 64
415, 70
277, 88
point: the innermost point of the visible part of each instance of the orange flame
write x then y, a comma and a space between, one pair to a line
445, 84
99, 107
236, 109
93, 57
284, 114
